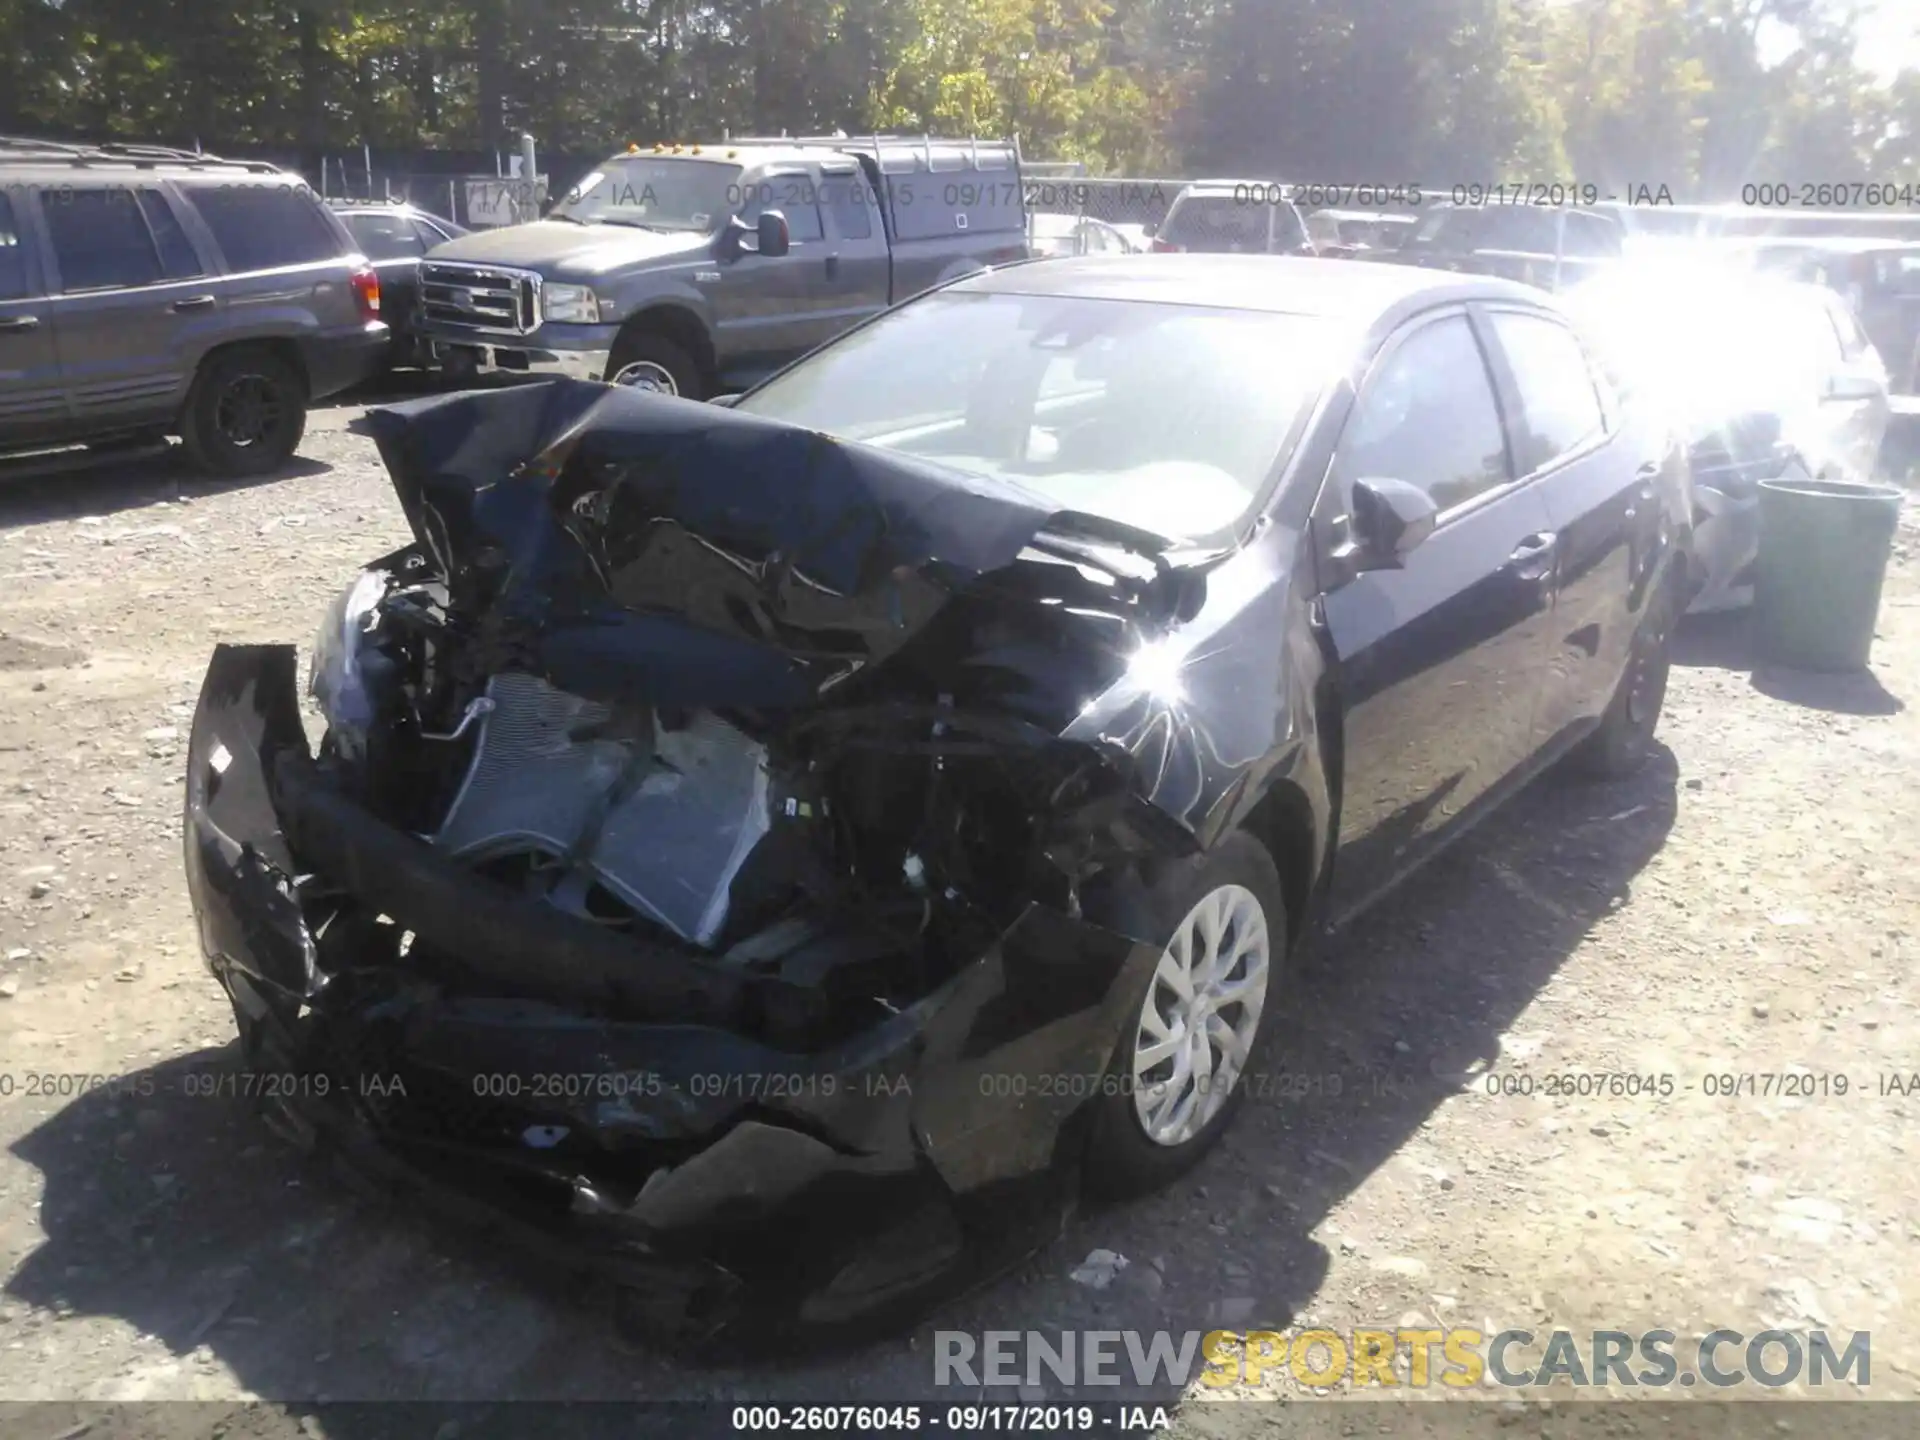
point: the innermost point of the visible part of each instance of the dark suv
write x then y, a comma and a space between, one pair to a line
146, 292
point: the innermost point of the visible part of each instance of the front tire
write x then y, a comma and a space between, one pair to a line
1173, 1085
245, 415
650, 361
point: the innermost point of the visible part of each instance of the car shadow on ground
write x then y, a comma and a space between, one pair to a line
168, 1205
108, 484
1724, 641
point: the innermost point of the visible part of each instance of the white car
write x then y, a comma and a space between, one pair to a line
1053, 235
1760, 375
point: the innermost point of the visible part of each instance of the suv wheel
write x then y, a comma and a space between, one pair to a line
245, 414
1174, 1082
653, 362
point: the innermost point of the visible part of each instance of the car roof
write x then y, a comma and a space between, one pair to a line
1277, 284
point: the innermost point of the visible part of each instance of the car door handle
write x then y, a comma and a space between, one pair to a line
194, 302
1532, 558
1649, 471
14, 323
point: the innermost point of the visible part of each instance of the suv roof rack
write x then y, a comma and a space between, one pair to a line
27, 149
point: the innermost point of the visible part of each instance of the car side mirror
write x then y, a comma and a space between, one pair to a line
1148, 230
1389, 518
1850, 385
774, 238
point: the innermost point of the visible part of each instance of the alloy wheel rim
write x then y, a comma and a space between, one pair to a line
250, 411
1195, 1029
647, 375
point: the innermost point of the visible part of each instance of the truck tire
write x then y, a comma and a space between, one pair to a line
245, 414
650, 361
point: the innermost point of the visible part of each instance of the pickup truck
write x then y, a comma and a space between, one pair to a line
695, 269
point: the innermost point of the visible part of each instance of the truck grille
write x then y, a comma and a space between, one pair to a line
483, 297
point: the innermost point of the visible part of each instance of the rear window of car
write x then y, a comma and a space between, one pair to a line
13, 255
263, 227
1217, 223
384, 237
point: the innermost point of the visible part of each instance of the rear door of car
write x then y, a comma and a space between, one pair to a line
284, 257
1439, 661
33, 407
130, 288
858, 272
1565, 431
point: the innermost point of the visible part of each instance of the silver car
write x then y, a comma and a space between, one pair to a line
1759, 375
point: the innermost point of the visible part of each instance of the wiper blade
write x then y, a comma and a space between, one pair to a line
570, 219
636, 225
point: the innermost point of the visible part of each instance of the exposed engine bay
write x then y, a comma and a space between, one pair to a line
710, 818
838, 766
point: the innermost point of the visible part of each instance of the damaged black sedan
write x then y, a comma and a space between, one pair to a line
774, 855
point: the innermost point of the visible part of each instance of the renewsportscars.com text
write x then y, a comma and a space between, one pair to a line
1319, 1359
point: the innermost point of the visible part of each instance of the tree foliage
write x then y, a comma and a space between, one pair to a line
1701, 95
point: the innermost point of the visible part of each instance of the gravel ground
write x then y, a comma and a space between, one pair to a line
1746, 906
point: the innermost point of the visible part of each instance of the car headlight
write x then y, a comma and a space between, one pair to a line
339, 682
570, 304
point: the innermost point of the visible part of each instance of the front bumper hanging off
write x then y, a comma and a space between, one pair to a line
623, 1109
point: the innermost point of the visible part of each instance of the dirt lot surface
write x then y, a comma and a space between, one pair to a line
1748, 907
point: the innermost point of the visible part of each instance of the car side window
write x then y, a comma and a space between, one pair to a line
384, 237
13, 255
1559, 400
100, 239
845, 196
178, 259
263, 227
1591, 237
430, 235
1289, 231
793, 196
1427, 415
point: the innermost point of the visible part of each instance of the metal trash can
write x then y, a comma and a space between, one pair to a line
1824, 546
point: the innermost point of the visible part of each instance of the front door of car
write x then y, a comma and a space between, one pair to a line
32, 408
768, 309
1598, 482
132, 293
1439, 660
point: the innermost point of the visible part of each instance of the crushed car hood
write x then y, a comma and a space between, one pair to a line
641, 543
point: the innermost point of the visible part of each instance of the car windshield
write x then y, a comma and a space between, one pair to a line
1217, 223
655, 193
1168, 417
